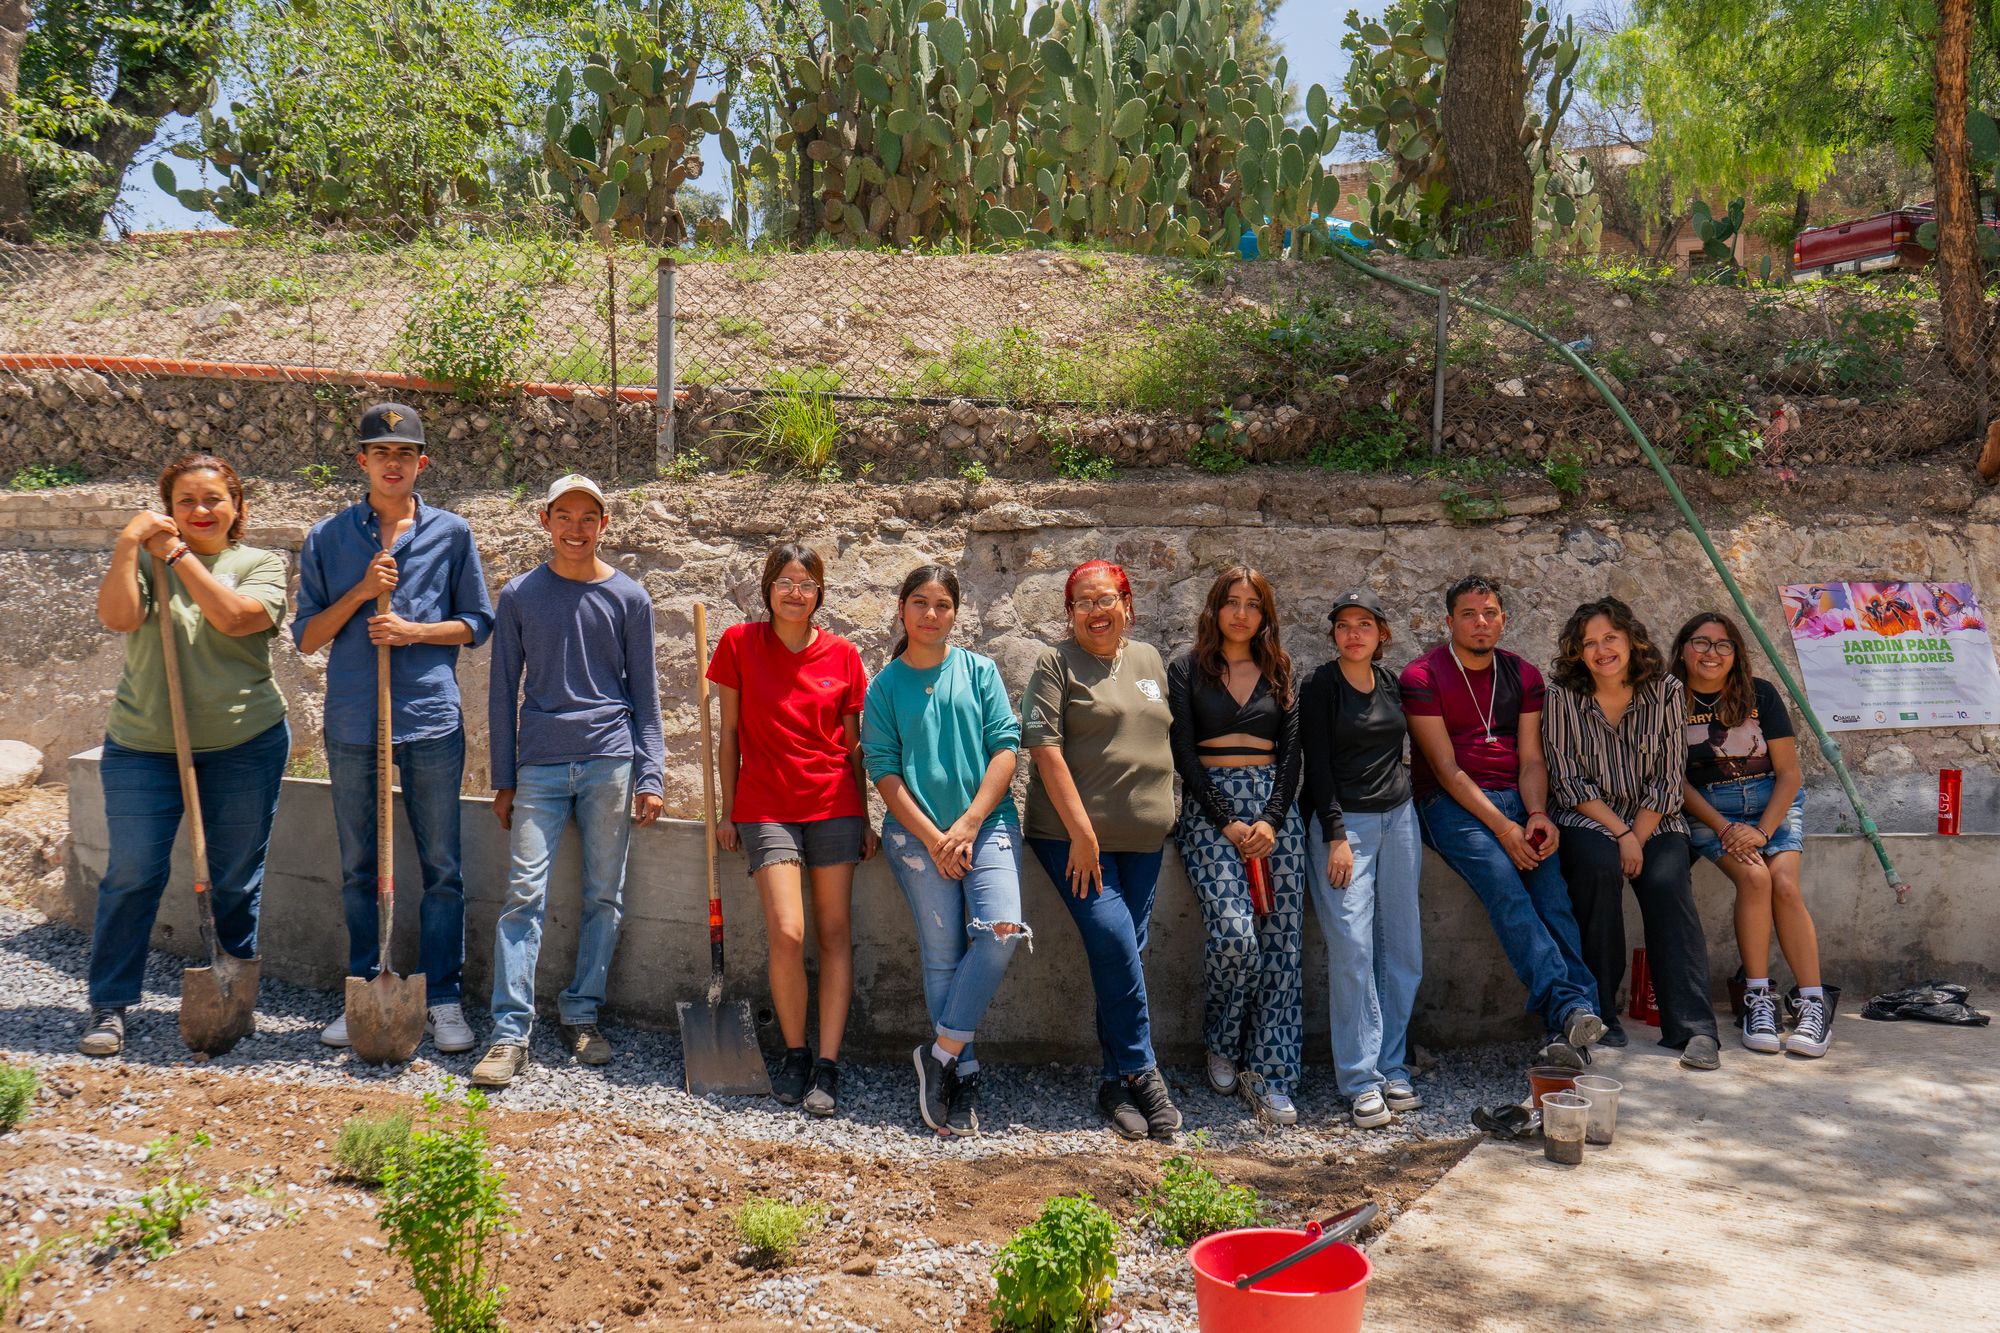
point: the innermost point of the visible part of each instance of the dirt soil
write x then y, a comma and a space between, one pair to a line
621, 1225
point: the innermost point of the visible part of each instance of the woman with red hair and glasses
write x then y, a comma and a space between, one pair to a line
1236, 744
224, 601
1095, 721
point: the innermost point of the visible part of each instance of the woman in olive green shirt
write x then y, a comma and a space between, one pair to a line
226, 601
1100, 803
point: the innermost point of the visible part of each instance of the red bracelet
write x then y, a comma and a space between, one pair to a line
179, 551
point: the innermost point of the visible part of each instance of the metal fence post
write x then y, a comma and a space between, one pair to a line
663, 372
1437, 372
611, 316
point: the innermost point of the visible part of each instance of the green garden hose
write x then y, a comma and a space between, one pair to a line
1827, 747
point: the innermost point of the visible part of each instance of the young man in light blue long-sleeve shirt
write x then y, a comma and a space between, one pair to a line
574, 712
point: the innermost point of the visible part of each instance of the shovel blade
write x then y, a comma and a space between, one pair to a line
219, 1003
719, 1048
385, 1017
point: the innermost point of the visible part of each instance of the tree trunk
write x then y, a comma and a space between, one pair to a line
1959, 298
15, 212
1479, 113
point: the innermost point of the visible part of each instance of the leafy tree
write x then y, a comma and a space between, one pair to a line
92, 81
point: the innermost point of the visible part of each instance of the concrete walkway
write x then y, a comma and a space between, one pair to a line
1861, 1191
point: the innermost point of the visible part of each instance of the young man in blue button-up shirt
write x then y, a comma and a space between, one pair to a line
424, 558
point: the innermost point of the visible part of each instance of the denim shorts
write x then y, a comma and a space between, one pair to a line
1743, 802
816, 842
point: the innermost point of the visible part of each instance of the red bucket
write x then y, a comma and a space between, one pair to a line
1319, 1294
1642, 1006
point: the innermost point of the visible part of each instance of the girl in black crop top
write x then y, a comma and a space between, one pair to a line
1236, 748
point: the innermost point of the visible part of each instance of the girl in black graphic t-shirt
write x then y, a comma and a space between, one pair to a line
1745, 814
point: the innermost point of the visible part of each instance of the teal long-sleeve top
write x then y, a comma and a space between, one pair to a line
937, 730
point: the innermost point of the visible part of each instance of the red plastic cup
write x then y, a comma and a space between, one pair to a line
1262, 901
1950, 783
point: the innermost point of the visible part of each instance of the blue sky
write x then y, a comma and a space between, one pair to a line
1308, 30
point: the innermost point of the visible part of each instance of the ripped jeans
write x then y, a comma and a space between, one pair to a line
963, 958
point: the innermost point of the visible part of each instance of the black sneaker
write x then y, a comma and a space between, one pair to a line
1114, 1101
106, 1033
794, 1074
934, 1080
963, 1117
1614, 1038
824, 1099
1163, 1118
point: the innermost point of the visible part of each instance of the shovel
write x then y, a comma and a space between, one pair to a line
218, 1002
385, 1014
718, 1037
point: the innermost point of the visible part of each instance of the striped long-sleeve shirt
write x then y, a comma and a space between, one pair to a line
1638, 764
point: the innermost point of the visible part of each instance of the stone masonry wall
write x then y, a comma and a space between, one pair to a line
1314, 533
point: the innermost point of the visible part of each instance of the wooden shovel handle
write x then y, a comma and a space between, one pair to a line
183, 749
385, 811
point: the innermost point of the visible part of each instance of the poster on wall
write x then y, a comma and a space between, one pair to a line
1891, 654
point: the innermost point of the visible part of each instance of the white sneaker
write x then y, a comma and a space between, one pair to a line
1401, 1096
1812, 1033
445, 1025
1267, 1101
334, 1033
1221, 1073
1760, 1020
1370, 1110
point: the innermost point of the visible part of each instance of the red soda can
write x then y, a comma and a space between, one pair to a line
1262, 901
1950, 782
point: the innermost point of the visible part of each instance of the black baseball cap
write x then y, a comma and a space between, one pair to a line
393, 423
1360, 597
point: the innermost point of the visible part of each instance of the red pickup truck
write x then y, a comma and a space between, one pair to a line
1885, 241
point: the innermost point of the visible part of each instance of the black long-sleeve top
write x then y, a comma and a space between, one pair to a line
1353, 745
1204, 710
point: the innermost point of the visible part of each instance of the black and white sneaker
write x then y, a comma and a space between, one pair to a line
1760, 1021
106, 1033
824, 1099
794, 1075
934, 1080
963, 1117
1582, 1028
1813, 1032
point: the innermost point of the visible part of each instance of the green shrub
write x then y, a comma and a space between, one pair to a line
773, 1228
471, 328
1372, 439
443, 1213
1565, 472
366, 1145
795, 428
1216, 451
47, 476
1055, 1275
1723, 435
974, 472
17, 1094
1079, 462
1189, 1202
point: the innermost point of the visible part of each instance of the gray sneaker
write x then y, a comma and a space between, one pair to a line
824, 1098
1115, 1104
1701, 1053
1581, 1028
106, 1033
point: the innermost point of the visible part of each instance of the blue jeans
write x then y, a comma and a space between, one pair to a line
963, 959
1374, 945
598, 792
1530, 909
238, 788
1113, 925
1744, 802
431, 771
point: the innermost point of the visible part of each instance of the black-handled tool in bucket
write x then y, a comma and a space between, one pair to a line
1319, 1235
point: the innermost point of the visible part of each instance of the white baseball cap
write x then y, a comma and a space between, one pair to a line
574, 481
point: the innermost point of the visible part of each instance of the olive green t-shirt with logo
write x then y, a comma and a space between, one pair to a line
225, 679
1114, 726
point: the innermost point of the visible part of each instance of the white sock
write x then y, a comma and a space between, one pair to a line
1812, 992
1757, 983
941, 1055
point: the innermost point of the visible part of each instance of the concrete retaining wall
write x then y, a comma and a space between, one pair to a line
1044, 1009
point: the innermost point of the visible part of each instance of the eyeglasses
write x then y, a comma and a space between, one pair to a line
1103, 602
1718, 647
806, 586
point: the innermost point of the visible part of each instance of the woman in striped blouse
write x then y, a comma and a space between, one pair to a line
1615, 734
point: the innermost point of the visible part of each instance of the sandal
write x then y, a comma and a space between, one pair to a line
1511, 1123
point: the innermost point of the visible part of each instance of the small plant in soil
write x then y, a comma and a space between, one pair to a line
1079, 462
684, 467
1372, 439
14, 1274
974, 472
443, 1213
367, 1144
17, 1093
47, 476
1189, 1202
1723, 436
1565, 472
151, 1224
773, 1228
1055, 1275
319, 475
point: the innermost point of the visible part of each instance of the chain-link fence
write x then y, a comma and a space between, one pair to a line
539, 351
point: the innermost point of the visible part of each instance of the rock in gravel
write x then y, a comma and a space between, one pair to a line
861, 1267
20, 770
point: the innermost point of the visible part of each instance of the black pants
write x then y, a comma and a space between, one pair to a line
1676, 949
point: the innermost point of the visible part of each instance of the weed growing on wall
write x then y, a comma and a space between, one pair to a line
1079, 462
47, 476
443, 1213
795, 429
1372, 439
1055, 1275
773, 1228
1723, 435
367, 1144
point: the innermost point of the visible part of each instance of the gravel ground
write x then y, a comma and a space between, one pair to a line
1034, 1111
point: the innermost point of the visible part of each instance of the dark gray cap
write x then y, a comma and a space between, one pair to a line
1360, 597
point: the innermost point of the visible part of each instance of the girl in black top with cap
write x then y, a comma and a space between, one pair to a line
1235, 738
1364, 851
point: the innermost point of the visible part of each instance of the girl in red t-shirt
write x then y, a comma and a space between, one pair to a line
792, 784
